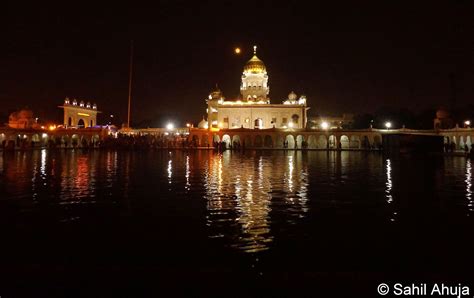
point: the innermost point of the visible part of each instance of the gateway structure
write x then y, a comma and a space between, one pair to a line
253, 110
80, 115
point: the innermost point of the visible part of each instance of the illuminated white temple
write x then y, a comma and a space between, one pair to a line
254, 110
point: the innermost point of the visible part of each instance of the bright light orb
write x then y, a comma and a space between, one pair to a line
388, 124
324, 125
237, 51
169, 126
467, 122
290, 125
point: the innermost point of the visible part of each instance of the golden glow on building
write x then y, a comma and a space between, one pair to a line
253, 109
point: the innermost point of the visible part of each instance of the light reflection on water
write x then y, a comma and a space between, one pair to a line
388, 191
248, 199
242, 192
469, 185
188, 184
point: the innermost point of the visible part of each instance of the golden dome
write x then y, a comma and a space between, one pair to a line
255, 65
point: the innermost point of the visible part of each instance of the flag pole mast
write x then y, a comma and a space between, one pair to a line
130, 83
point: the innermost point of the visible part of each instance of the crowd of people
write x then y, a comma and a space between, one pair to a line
147, 141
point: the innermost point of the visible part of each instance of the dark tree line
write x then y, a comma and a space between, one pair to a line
404, 117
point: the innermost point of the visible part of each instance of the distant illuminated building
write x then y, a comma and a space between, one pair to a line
22, 119
254, 110
443, 119
79, 114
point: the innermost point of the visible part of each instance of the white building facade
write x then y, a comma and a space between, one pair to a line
254, 109
79, 114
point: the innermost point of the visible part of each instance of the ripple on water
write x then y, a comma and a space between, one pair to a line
247, 201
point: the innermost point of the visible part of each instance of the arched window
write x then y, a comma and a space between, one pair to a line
295, 118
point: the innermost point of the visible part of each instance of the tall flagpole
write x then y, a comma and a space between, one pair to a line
130, 83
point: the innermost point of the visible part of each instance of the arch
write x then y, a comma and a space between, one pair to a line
95, 140
91, 124
468, 142
195, 141
35, 138
65, 141
299, 141
81, 123
312, 143
205, 140
290, 140
268, 141
84, 142
227, 140
332, 142
280, 141
46, 139
322, 142
236, 141
344, 142
258, 141
377, 142
461, 142
365, 142
295, 118
216, 138
446, 140
74, 140
69, 122
247, 141
454, 141
259, 123
354, 142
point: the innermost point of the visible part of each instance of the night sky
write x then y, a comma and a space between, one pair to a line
345, 58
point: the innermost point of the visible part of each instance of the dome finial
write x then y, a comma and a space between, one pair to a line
255, 50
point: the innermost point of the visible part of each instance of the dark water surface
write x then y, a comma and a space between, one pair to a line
232, 224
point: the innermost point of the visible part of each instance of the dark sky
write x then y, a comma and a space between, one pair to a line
345, 58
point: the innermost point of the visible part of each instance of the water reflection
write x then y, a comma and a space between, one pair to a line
170, 169
252, 199
388, 184
388, 190
241, 195
110, 166
43, 163
468, 181
187, 174
78, 178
